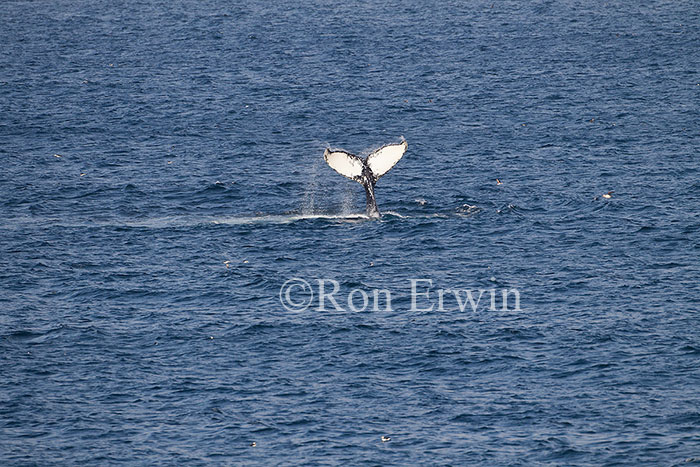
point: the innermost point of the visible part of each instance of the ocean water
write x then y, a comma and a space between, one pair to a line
162, 178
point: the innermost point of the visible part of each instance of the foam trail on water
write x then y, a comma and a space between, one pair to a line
349, 214
285, 219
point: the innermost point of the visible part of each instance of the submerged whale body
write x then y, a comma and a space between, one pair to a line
368, 170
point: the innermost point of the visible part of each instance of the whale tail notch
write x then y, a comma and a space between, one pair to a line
368, 170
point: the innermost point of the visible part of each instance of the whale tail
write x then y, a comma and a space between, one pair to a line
368, 170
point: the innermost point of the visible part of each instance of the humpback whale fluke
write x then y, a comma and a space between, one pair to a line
368, 170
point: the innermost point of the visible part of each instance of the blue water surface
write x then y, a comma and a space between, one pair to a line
162, 177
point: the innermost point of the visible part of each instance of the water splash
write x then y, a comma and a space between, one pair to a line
467, 210
309, 206
347, 206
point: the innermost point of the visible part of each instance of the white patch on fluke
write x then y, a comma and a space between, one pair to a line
384, 158
344, 163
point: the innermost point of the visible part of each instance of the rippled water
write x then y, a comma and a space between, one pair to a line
163, 177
